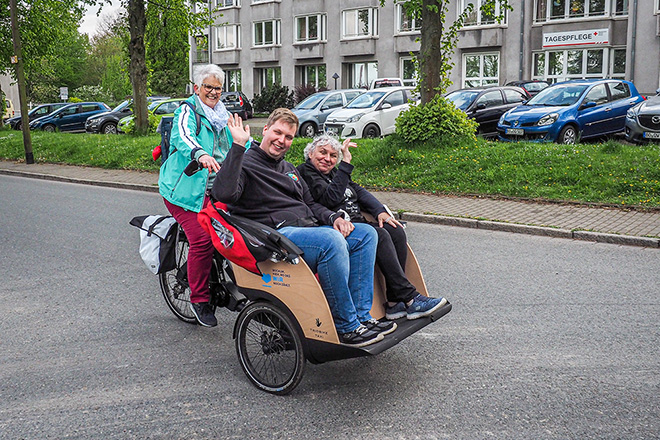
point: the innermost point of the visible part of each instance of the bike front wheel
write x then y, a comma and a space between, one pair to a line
269, 348
174, 283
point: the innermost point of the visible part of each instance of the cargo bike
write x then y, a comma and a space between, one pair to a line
283, 317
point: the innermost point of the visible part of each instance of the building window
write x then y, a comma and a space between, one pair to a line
232, 81
360, 23
313, 76
562, 65
408, 71
572, 9
618, 67
311, 28
228, 3
268, 76
267, 33
360, 75
228, 37
481, 69
201, 54
478, 17
406, 23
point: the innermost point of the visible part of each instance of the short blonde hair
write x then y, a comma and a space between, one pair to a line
283, 114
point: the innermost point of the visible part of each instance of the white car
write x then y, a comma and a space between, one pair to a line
371, 114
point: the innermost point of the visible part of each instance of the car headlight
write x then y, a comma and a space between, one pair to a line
355, 118
631, 113
502, 119
548, 119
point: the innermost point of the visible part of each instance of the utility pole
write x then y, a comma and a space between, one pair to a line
17, 59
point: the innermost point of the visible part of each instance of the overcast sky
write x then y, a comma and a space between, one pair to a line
89, 22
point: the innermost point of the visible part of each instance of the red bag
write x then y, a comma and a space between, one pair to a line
243, 241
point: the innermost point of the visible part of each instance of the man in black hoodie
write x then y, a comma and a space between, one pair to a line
259, 184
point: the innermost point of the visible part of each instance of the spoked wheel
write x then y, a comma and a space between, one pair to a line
174, 284
269, 348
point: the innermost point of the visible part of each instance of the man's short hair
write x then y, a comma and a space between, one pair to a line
283, 114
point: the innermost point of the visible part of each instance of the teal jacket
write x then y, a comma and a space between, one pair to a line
177, 188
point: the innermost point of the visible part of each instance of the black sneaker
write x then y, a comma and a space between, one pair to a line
204, 314
382, 327
360, 337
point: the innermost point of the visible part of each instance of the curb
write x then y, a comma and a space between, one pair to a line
489, 225
598, 237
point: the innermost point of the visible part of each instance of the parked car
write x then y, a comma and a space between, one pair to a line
371, 114
487, 105
237, 102
9, 109
568, 111
162, 108
71, 117
532, 87
313, 111
37, 112
643, 121
107, 122
386, 82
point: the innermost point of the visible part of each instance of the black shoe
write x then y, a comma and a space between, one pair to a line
382, 327
360, 337
204, 314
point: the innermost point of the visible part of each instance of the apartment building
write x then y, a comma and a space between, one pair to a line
348, 43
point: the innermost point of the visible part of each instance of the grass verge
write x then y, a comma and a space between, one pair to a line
610, 172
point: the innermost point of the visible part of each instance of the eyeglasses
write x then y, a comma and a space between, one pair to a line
209, 87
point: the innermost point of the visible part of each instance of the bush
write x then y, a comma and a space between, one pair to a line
91, 93
303, 92
129, 128
272, 97
435, 119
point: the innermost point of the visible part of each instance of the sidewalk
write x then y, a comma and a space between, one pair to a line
606, 225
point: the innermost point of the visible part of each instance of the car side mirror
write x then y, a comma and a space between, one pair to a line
481, 106
386, 106
325, 107
524, 102
59, 116
589, 104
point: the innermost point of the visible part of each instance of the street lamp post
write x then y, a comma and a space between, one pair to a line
335, 77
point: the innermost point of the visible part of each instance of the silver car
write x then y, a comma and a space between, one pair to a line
314, 110
643, 121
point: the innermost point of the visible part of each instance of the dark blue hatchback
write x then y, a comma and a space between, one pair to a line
568, 111
71, 117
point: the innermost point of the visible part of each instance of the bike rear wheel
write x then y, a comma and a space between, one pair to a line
174, 284
269, 348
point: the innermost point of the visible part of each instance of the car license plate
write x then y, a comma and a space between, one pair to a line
515, 131
332, 130
649, 135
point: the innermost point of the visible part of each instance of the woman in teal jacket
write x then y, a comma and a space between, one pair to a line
199, 132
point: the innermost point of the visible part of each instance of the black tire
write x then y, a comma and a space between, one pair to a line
371, 131
109, 128
174, 284
568, 135
18, 126
50, 128
269, 348
308, 130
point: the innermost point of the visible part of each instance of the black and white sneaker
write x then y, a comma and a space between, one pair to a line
204, 314
360, 337
382, 327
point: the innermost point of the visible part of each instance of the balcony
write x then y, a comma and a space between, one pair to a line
264, 54
308, 50
200, 56
361, 46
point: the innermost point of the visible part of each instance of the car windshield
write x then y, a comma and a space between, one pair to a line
153, 105
366, 100
58, 111
558, 95
230, 97
310, 102
535, 86
122, 106
462, 98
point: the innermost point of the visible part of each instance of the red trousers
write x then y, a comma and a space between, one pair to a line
200, 254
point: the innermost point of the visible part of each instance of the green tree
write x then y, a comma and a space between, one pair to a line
439, 38
167, 47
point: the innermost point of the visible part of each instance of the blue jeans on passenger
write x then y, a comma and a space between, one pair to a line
345, 267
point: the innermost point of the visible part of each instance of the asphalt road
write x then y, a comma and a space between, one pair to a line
548, 339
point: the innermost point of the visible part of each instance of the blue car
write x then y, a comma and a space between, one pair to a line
71, 117
569, 111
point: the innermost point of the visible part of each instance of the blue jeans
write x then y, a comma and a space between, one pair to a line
345, 267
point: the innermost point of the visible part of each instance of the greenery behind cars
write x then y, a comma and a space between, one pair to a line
608, 173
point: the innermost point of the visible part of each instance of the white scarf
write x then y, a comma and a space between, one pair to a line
218, 116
